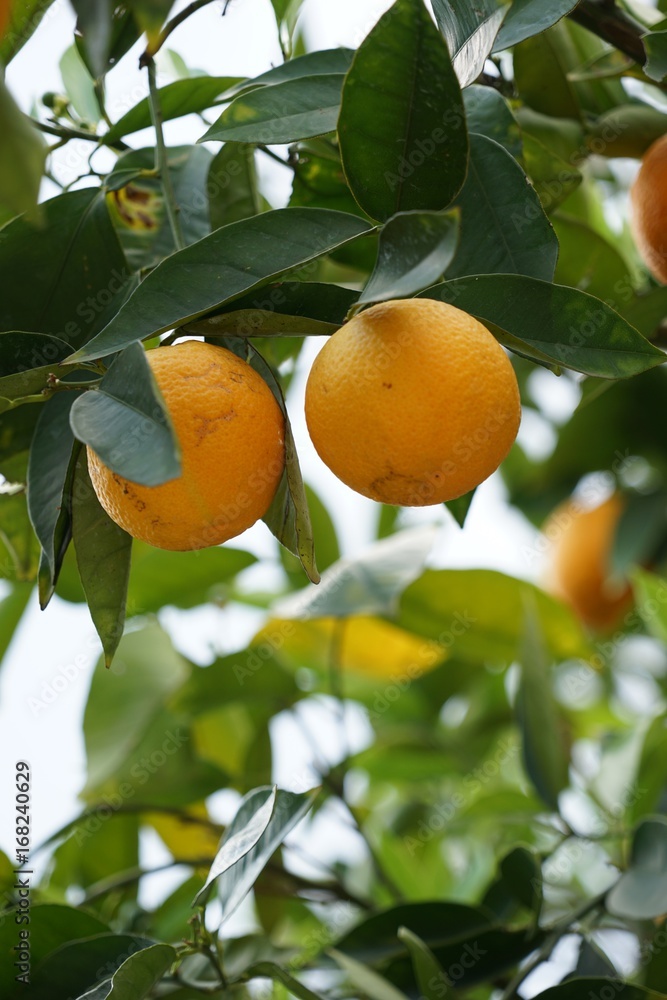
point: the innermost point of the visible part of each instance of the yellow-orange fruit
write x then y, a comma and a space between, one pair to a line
579, 571
232, 437
648, 218
412, 402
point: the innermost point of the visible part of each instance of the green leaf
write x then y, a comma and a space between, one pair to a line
370, 983
370, 584
94, 29
641, 891
640, 533
540, 73
232, 188
75, 967
24, 18
401, 129
103, 557
584, 989
479, 615
285, 112
263, 820
489, 114
646, 312
16, 533
137, 976
50, 468
203, 277
655, 44
146, 672
470, 32
587, 261
530, 17
269, 970
591, 961
12, 606
67, 276
459, 507
650, 594
575, 329
22, 155
323, 63
545, 750
415, 250
137, 208
429, 973
553, 178
328, 549
127, 424
182, 97
503, 227
79, 86
20, 352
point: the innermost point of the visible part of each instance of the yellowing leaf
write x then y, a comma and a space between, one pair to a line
188, 840
368, 645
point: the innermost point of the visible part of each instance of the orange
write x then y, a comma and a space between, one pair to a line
232, 436
648, 219
412, 402
579, 570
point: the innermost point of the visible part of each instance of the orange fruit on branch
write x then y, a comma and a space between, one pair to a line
412, 402
648, 219
231, 431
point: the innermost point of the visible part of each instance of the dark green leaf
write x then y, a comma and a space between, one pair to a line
640, 533
322, 63
103, 557
94, 27
126, 423
575, 329
203, 277
655, 43
545, 751
591, 961
75, 967
503, 227
49, 469
137, 976
641, 891
370, 584
459, 507
554, 179
587, 261
232, 185
402, 126
522, 876
585, 989
540, 73
17, 535
328, 550
415, 250
19, 352
182, 97
263, 820
470, 32
22, 155
489, 114
429, 974
285, 112
324, 303
67, 276
530, 17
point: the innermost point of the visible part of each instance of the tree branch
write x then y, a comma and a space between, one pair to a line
161, 159
604, 19
170, 26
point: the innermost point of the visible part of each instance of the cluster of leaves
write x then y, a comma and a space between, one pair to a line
490, 834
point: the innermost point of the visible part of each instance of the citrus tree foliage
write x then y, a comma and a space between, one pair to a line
509, 792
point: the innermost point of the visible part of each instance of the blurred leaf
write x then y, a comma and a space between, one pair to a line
370, 584
650, 592
189, 835
103, 557
429, 973
545, 751
232, 188
575, 330
530, 17
591, 961
67, 276
24, 20
522, 876
79, 86
399, 93
94, 28
137, 976
581, 989
470, 33
182, 97
641, 891
655, 44
489, 114
136, 202
371, 984
587, 261
263, 820
183, 579
540, 72
50, 468
126, 422
415, 250
12, 607
95, 850
22, 156
147, 669
507, 231
150, 15
269, 970
646, 312
656, 967
284, 112
16, 532
640, 533
479, 615
74, 968
275, 241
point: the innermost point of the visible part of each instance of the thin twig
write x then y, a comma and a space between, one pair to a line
170, 26
161, 160
274, 156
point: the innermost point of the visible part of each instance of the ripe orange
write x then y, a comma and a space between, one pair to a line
648, 219
232, 437
579, 568
413, 402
